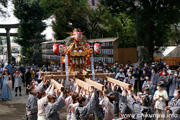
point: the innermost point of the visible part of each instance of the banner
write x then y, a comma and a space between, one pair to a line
92, 65
67, 73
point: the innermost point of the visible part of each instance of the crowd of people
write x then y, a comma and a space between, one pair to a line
153, 93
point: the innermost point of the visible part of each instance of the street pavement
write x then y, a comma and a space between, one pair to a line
15, 109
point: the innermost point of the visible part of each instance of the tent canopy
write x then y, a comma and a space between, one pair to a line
175, 53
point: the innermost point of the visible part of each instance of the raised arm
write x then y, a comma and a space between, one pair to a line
91, 105
56, 106
131, 103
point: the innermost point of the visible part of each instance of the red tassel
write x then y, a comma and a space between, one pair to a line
120, 114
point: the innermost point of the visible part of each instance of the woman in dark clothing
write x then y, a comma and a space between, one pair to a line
28, 77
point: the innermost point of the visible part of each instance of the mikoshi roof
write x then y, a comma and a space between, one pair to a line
175, 53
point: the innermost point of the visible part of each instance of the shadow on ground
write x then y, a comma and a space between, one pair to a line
17, 111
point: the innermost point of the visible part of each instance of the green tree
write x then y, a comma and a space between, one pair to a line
121, 26
30, 14
65, 12
174, 34
95, 23
103, 23
153, 18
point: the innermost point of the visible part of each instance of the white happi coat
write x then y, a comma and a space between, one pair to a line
108, 107
18, 80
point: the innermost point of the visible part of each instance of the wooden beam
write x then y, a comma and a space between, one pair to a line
96, 71
99, 71
101, 75
117, 82
95, 84
54, 73
82, 83
56, 84
85, 72
57, 76
49, 73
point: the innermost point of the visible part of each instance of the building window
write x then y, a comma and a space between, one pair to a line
93, 3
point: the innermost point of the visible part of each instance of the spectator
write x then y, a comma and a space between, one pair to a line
160, 98
22, 69
28, 77
120, 75
5, 92
142, 77
164, 78
12, 72
17, 76
174, 106
168, 69
163, 72
154, 80
172, 83
146, 68
8, 66
114, 68
1, 81
148, 83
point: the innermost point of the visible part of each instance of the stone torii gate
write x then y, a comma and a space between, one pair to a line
8, 34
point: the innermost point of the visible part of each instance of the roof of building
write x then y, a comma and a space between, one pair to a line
164, 51
49, 41
89, 40
103, 40
174, 53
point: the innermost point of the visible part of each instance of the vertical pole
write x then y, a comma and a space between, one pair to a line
61, 64
3, 52
92, 65
67, 72
8, 44
61, 52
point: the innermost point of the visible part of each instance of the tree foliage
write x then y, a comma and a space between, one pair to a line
95, 23
30, 14
66, 12
153, 18
174, 34
121, 26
